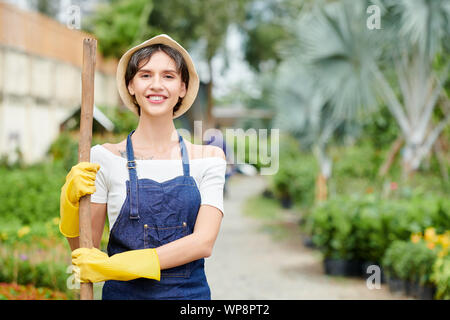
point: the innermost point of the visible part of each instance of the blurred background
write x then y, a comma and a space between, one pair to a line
359, 91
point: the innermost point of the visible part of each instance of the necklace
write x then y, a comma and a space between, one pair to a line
123, 154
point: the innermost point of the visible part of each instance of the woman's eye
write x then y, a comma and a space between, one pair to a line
145, 76
169, 76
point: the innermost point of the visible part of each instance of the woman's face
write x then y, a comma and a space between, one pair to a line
157, 85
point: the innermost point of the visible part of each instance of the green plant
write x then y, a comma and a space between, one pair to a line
441, 277
24, 269
31, 194
296, 174
124, 120
14, 291
363, 227
332, 228
390, 258
65, 150
359, 161
36, 255
412, 261
370, 230
421, 260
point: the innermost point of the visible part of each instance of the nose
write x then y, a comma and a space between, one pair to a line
156, 84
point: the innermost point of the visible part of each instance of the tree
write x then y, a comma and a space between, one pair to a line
320, 90
48, 7
420, 60
266, 28
353, 67
120, 24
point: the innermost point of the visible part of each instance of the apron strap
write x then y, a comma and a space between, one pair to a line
184, 156
131, 165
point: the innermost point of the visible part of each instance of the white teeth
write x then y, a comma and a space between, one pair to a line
156, 98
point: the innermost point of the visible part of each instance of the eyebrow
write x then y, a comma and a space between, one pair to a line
167, 70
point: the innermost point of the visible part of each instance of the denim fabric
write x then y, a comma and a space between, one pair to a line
153, 214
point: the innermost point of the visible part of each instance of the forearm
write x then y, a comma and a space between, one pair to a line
97, 232
183, 250
74, 243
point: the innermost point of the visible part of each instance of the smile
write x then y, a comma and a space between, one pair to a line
156, 98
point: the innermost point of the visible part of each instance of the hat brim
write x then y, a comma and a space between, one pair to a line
193, 85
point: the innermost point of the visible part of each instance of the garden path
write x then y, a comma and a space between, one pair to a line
247, 263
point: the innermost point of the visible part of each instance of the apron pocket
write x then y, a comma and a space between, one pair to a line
156, 236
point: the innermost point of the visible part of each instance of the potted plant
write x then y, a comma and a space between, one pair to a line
441, 277
425, 257
390, 264
370, 233
333, 234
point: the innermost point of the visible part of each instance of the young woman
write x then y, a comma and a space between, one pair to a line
162, 194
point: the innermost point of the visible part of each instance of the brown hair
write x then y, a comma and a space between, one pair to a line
143, 55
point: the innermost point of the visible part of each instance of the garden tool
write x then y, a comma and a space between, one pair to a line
84, 148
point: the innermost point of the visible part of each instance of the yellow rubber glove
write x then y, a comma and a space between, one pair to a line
80, 181
95, 265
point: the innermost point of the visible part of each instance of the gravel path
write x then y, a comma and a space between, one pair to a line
249, 264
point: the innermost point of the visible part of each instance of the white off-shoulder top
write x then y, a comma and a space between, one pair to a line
110, 183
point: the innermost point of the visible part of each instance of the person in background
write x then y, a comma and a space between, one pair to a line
214, 137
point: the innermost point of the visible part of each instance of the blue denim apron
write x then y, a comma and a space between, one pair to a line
152, 215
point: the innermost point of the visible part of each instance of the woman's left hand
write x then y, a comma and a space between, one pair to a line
96, 266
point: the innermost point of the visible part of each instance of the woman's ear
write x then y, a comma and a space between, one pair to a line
130, 88
183, 90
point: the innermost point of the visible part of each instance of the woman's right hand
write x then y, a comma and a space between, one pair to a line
80, 181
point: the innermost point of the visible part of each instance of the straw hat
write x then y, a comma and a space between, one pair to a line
193, 85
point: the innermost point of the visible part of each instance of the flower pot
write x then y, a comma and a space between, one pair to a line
307, 242
427, 292
414, 289
409, 287
268, 194
286, 202
395, 284
342, 267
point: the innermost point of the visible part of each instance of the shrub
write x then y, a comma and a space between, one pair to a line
124, 120
65, 150
441, 277
390, 258
364, 227
357, 161
13, 291
411, 261
31, 194
332, 228
296, 174
48, 274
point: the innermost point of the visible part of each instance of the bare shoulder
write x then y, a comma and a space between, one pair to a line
197, 151
116, 148
215, 152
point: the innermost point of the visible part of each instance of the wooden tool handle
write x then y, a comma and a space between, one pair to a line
84, 147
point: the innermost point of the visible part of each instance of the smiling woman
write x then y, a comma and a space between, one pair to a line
164, 211
168, 68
